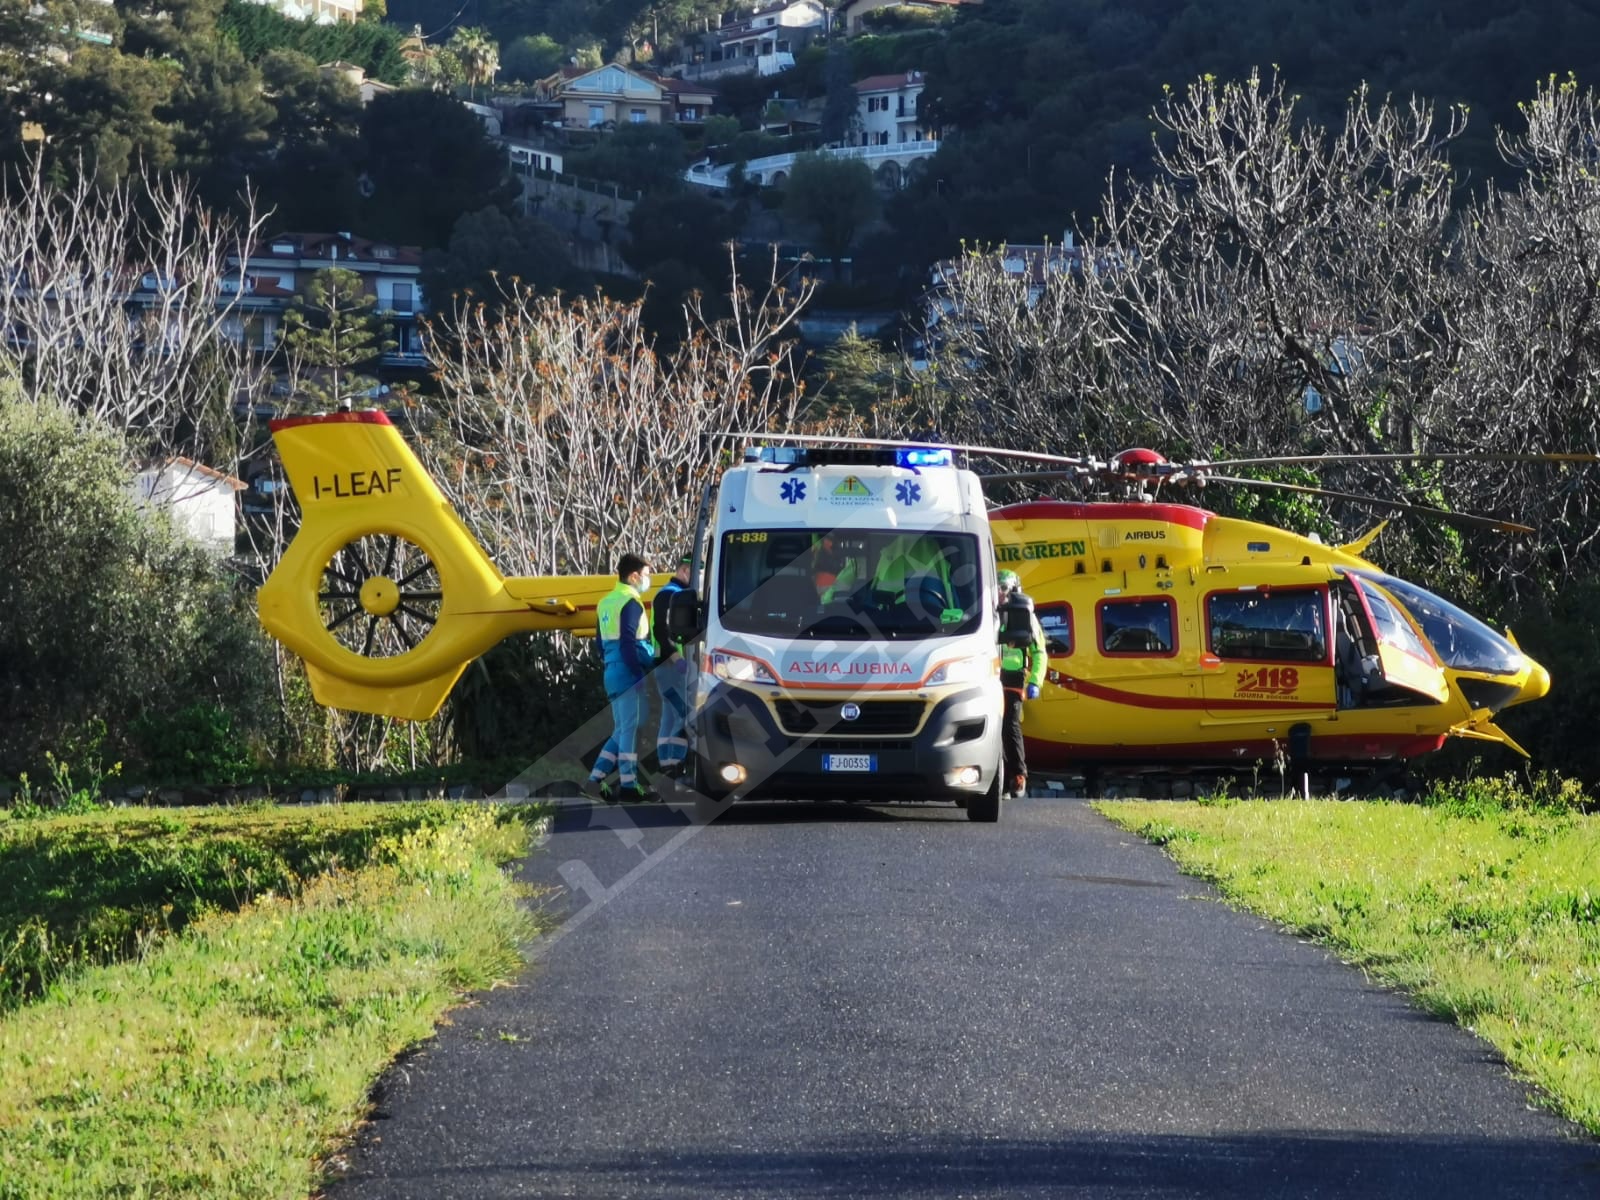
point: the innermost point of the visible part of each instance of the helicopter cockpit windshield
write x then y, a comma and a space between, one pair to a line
1461, 641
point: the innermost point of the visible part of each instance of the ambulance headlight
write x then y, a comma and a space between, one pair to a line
961, 670
738, 669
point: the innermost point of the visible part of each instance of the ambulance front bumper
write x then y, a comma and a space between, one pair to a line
951, 751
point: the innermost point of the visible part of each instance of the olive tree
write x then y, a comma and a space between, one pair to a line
112, 617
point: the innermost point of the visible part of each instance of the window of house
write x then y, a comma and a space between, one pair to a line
637, 116
1288, 625
401, 297
1056, 621
1139, 628
597, 115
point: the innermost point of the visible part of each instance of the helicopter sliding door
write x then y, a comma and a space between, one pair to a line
1270, 655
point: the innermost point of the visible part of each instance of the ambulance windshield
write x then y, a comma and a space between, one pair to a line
849, 584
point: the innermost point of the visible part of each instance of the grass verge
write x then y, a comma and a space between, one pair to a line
226, 1061
96, 888
1488, 915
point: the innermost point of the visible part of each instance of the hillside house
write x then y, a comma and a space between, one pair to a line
202, 500
849, 18
763, 40
323, 12
280, 268
613, 95
887, 111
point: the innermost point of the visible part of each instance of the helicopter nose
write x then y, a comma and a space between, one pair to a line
1537, 685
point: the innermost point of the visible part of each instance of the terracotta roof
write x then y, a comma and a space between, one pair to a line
685, 87
353, 248
198, 468
889, 83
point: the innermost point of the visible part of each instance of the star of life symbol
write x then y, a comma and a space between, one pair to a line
907, 492
793, 490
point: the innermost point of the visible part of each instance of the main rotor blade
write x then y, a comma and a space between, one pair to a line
1448, 456
1470, 520
932, 443
1025, 476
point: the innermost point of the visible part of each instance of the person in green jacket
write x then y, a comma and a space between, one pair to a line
1021, 675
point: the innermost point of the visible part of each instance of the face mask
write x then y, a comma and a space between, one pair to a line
644, 581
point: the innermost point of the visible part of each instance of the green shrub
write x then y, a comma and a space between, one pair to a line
111, 615
1491, 796
198, 743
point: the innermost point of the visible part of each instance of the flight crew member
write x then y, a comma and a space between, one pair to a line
671, 675
1021, 674
624, 632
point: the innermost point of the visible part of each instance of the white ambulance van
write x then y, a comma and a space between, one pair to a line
845, 631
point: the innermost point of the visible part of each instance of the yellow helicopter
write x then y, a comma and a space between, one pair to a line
1177, 637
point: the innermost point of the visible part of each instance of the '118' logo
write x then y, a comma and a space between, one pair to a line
1269, 680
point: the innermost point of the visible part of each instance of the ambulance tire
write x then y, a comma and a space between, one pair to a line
986, 808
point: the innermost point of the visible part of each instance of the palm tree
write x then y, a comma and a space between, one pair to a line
480, 57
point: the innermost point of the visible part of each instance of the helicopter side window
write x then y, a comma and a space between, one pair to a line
1137, 627
1056, 621
1285, 625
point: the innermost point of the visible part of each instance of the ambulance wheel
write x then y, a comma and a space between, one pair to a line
380, 595
986, 808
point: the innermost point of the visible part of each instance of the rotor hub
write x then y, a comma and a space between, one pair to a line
380, 595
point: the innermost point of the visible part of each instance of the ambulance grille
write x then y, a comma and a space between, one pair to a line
879, 718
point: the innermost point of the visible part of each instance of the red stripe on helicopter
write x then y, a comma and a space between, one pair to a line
1328, 748
370, 417
1096, 691
1073, 510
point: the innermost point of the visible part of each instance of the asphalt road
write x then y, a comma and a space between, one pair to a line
838, 1002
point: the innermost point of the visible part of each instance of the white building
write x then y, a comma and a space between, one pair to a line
886, 111
202, 500
323, 12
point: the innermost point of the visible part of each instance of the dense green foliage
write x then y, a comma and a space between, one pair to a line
1043, 97
427, 161
258, 29
108, 610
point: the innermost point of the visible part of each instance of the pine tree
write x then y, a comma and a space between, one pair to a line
335, 330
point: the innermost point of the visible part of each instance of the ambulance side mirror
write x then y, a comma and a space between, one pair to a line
685, 616
1016, 621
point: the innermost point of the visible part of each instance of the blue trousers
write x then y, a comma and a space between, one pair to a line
619, 748
672, 742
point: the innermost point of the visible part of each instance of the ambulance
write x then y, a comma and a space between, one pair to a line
843, 632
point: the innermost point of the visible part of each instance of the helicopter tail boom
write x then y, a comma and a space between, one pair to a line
384, 591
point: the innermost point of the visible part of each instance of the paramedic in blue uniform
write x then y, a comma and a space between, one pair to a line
671, 675
624, 632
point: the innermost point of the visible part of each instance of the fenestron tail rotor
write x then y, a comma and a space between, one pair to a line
380, 595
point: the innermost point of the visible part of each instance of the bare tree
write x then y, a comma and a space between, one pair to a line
1280, 288
122, 301
568, 439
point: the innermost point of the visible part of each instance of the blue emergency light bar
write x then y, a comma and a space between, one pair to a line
913, 458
